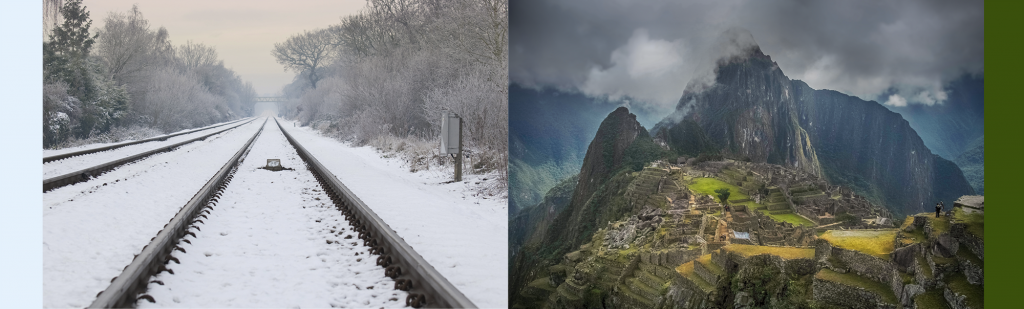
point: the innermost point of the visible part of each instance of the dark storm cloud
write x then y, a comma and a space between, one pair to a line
649, 50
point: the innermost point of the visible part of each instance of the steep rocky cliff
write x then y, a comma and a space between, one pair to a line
529, 224
753, 111
620, 147
972, 163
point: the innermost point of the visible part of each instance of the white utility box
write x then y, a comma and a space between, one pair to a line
450, 127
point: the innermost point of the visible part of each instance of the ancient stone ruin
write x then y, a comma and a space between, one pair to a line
682, 249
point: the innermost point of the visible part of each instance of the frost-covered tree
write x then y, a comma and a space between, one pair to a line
305, 53
194, 56
134, 77
398, 64
126, 44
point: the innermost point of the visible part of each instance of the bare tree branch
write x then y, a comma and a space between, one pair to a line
307, 52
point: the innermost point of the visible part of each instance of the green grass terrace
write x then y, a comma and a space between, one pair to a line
975, 221
788, 253
707, 186
878, 243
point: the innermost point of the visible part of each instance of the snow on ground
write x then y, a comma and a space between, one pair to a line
93, 229
77, 163
274, 240
465, 237
54, 152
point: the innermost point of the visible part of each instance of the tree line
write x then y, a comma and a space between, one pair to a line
127, 75
391, 70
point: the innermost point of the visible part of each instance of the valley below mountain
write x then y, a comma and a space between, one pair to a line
828, 206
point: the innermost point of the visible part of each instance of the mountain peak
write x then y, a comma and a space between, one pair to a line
736, 44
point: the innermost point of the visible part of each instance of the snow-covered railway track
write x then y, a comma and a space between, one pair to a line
91, 172
298, 237
116, 146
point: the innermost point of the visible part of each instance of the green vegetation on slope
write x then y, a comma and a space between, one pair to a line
939, 225
975, 294
707, 186
931, 299
975, 221
606, 204
875, 243
527, 183
783, 252
917, 235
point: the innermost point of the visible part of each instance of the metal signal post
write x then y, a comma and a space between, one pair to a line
451, 140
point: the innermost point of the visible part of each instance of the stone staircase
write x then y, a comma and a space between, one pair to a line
643, 289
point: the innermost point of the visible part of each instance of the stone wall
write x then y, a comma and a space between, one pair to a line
809, 214
924, 274
941, 270
904, 258
973, 243
670, 258
801, 267
683, 296
975, 274
955, 301
845, 296
628, 271
822, 250
865, 265
909, 292
720, 259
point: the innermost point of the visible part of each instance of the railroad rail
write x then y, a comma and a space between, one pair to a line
134, 278
411, 273
426, 286
86, 174
112, 147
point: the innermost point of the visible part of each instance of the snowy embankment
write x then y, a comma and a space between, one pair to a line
274, 240
74, 164
54, 152
92, 230
462, 235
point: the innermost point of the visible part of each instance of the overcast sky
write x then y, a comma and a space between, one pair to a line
243, 32
649, 50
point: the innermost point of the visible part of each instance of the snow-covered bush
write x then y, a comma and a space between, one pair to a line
60, 114
398, 66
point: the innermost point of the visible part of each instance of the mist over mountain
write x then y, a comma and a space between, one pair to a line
949, 128
955, 129
754, 111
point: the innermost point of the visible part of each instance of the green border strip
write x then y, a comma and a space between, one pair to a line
1003, 125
